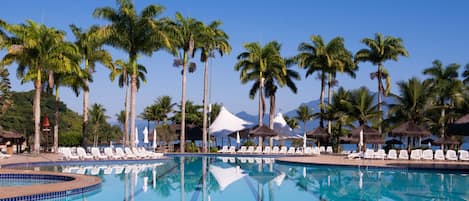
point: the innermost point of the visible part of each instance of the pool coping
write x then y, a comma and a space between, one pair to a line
78, 185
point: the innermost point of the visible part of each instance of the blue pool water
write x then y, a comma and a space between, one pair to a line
25, 182
262, 179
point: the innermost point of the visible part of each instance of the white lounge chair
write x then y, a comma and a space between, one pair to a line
322, 149
451, 155
392, 154
416, 154
380, 154
463, 155
316, 151
308, 151
403, 155
427, 154
67, 155
354, 155
130, 154
110, 154
369, 154
299, 151
224, 149
150, 154
231, 150
258, 150
291, 150
275, 150
97, 154
82, 154
283, 150
139, 154
329, 149
250, 150
267, 150
439, 155
2, 155
242, 150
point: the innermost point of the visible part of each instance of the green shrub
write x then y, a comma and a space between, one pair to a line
213, 149
249, 143
297, 143
192, 147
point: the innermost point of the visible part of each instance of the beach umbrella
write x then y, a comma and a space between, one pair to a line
136, 136
304, 141
145, 135
154, 138
360, 142
238, 140
320, 134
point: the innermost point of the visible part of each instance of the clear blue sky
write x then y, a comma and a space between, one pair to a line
430, 30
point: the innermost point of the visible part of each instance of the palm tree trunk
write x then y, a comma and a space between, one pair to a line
56, 124
442, 129
133, 99
86, 95
204, 121
321, 105
127, 110
271, 116
329, 101
380, 101
37, 114
261, 105
183, 106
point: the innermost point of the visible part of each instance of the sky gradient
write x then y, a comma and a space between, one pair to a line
430, 30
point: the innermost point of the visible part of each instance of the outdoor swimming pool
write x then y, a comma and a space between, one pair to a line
256, 179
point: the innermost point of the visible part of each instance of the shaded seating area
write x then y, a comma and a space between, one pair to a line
412, 131
11, 141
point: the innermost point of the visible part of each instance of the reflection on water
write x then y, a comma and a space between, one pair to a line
261, 179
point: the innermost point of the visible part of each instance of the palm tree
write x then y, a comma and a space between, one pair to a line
304, 114
97, 118
324, 58
193, 114
337, 111
89, 44
213, 40
292, 122
255, 64
361, 106
187, 33
381, 49
465, 75
149, 114
165, 107
446, 88
121, 71
135, 33
38, 50
5, 86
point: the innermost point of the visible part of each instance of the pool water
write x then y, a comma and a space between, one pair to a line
262, 179
25, 182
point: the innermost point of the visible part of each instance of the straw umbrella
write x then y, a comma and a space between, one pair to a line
369, 135
320, 134
263, 131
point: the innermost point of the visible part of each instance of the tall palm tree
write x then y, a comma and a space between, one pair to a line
213, 40
134, 33
465, 75
38, 50
165, 107
254, 64
324, 58
304, 114
90, 44
446, 88
5, 85
361, 106
337, 111
121, 119
411, 103
292, 122
381, 49
97, 118
187, 34
121, 72
193, 114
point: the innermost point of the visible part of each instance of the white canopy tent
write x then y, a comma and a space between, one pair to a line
226, 123
226, 176
281, 126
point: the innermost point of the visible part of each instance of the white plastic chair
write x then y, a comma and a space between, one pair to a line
110, 154
267, 150
308, 151
380, 154
250, 150
291, 150
82, 154
463, 155
224, 149
439, 155
369, 154
275, 150
416, 154
427, 154
451, 155
329, 149
403, 155
392, 154
283, 150
258, 150
242, 150
316, 151
97, 154
299, 151
130, 154
231, 150
322, 149
67, 155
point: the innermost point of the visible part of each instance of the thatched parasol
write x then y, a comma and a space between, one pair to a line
410, 129
367, 131
460, 126
263, 131
320, 134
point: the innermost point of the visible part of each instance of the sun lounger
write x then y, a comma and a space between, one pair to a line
439, 155
95, 170
258, 150
427, 154
392, 154
416, 154
369, 154
291, 150
403, 155
130, 154
108, 170
224, 149
329, 149
2, 155
250, 150
275, 150
139, 154
267, 150
308, 151
150, 154
82, 154
231, 150
322, 149
67, 155
380, 154
121, 153
97, 154
463, 155
110, 154
283, 150
451, 155
316, 151
299, 151
242, 150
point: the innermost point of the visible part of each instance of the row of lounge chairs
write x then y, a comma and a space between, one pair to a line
273, 150
79, 153
2, 155
108, 169
257, 160
416, 154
